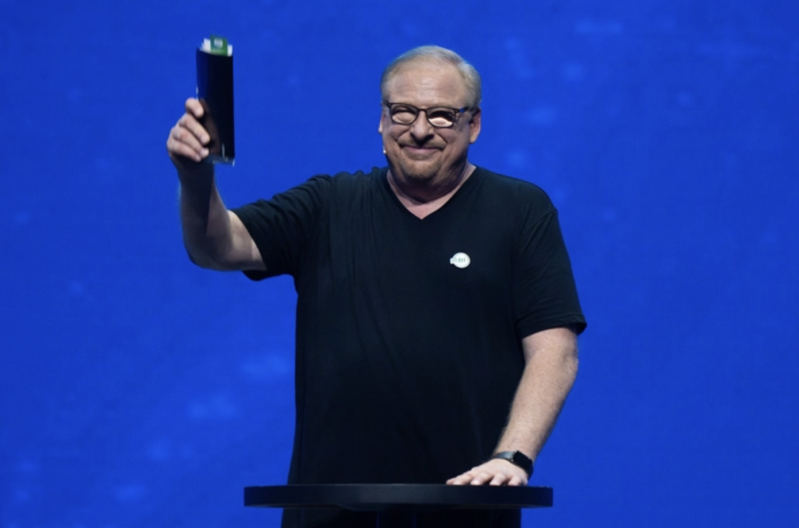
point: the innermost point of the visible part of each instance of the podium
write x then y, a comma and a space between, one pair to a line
396, 505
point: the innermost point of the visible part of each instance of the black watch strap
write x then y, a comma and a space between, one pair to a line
517, 458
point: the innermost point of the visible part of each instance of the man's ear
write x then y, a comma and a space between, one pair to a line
474, 125
380, 126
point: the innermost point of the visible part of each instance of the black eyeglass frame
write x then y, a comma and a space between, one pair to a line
457, 112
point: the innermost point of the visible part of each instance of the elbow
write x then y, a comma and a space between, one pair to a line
572, 360
573, 365
205, 261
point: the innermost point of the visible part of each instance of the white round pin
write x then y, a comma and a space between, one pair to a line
460, 260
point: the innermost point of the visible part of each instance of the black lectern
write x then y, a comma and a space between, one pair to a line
396, 505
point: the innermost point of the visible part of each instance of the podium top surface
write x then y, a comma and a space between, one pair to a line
384, 497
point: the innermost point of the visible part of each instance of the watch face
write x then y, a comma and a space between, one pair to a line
521, 459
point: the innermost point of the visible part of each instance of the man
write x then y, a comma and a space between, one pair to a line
433, 296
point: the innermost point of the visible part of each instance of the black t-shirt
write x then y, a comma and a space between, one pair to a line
408, 345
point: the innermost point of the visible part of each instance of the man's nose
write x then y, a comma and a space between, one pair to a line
421, 128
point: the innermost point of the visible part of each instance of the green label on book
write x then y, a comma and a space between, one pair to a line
218, 45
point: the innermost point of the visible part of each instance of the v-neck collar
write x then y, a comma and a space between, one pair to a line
465, 188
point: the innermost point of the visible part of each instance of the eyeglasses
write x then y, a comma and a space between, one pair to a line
437, 116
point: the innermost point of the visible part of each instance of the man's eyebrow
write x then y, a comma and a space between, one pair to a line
434, 105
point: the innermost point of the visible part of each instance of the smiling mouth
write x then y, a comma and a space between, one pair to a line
419, 150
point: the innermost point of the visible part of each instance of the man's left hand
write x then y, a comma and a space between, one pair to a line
496, 472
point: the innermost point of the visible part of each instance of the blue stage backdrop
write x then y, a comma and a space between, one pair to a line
139, 390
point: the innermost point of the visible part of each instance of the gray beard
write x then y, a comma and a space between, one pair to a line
416, 175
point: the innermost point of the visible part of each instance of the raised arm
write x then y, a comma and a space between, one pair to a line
549, 373
214, 237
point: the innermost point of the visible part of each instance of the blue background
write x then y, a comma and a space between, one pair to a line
139, 390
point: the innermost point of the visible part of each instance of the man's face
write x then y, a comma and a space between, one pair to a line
420, 153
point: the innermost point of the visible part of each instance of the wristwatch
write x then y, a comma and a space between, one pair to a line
517, 458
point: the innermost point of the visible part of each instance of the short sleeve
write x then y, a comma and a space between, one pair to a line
545, 295
283, 226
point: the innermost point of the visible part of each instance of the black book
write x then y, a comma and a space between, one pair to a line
215, 92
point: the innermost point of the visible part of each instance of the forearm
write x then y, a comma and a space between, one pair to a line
551, 367
207, 232
547, 379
